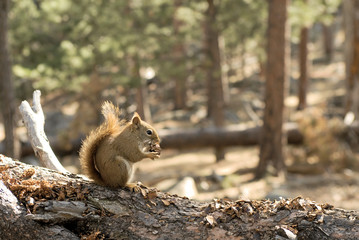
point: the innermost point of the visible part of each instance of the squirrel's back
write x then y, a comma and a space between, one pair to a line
111, 125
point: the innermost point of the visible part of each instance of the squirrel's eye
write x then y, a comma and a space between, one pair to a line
149, 132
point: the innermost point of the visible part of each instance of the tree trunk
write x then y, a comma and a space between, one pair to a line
327, 41
143, 106
215, 105
179, 55
7, 98
224, 70
348, 15
303, 66
271, 147
180, 93
38, 203
351, 12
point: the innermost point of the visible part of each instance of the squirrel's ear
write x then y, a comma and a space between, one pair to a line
136, 120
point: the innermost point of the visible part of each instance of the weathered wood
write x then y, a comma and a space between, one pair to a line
303, 68
150, 214
192, 138
272, 145
14, 223
7, 92
199, 138
229, 136
34, 121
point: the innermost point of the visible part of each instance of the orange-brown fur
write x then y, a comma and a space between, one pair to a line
108, 153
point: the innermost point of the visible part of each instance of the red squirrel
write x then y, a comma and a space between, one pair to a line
108, 153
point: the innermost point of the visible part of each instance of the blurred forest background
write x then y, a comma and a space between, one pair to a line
226, 83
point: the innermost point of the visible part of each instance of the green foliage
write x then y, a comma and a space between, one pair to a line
306, 13
60, 43
243, 25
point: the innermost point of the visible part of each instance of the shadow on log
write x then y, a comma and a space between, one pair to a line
38, 203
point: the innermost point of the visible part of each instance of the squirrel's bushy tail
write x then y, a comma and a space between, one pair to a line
89, 147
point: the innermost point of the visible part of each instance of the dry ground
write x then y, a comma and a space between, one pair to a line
234, 177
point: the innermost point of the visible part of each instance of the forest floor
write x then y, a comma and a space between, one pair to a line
197, 175
232, 178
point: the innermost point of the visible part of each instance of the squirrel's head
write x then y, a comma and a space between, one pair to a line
146, 133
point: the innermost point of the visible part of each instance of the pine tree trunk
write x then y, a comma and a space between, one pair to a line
327, 41
215, 105
224, 70
272, 141
143, 106
179, 53
303, 66
351, 16
180, 93
7, 98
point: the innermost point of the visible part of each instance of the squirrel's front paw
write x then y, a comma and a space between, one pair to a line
152, 155
133, 187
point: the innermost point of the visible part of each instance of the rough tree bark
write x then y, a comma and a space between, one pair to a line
351, 13
215, 105
348, 12
44, 204
7, 98
271, 147
328, 41
180, 89
143, 106
224, 137
303, 66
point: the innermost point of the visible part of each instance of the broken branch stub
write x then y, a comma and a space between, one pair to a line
34, 120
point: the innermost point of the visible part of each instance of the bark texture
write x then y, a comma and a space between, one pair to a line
348, 14
328, 41
271, 147
351, 13
223, 137
215, 105
180, 88
143, 107
52, 205
303, 68
7, 97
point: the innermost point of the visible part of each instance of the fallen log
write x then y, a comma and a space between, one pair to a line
223, 137
192, 138
197, 138
38, 203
